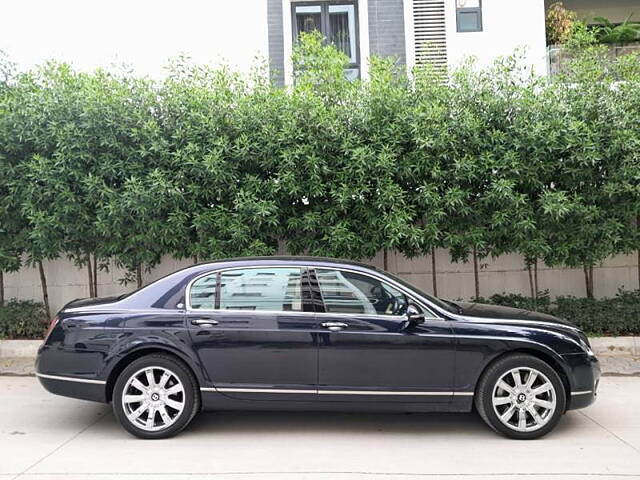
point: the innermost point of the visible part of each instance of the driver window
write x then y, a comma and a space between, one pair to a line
348, 292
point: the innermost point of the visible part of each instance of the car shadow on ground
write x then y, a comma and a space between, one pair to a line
348, 423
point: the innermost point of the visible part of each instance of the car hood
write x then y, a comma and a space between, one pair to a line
480, 310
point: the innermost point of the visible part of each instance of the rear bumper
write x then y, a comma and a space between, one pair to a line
56, 376
584, 379
73, 387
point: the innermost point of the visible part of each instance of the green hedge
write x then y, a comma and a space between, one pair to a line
22, 319
619, 315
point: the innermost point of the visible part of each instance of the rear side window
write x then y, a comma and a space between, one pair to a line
253, 289
262, 289
203, 293
348, 292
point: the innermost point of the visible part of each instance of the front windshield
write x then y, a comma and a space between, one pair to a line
435, 300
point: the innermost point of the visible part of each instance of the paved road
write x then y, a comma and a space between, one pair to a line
43, 436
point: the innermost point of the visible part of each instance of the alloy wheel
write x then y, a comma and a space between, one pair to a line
153, 398
524, 399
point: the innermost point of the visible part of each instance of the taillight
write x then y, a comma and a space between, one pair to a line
53, 323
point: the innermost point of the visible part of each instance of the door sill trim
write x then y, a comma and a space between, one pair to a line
334, 392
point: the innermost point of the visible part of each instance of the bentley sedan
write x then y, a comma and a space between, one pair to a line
300, 333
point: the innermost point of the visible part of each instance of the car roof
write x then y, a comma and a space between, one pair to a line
290, 258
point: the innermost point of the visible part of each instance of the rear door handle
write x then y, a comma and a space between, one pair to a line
334, 326
204, 322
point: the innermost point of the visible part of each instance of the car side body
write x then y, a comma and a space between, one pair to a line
295, 359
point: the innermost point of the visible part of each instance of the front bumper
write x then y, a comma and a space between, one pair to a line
584, 377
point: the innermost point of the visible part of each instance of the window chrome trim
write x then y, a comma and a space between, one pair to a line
71, 379
410, 294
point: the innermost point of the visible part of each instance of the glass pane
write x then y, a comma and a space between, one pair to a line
308, 18
468, 3
203, 293
342, 26
347, 292
468, 21
352, 74
263, 289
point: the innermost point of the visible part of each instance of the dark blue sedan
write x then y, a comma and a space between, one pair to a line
297, 333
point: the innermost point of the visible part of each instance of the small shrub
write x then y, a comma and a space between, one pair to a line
22, 319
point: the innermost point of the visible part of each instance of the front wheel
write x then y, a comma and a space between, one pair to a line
521, 397
156, 396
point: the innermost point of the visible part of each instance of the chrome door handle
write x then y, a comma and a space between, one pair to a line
334, 326
204, 322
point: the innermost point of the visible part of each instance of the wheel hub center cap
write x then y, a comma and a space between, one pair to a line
155, 397
521, 397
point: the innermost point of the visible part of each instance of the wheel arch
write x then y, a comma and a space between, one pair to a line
132, 355
541, 355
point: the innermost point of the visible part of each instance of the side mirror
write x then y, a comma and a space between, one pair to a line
414, 315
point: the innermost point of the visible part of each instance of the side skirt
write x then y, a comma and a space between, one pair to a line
212, 400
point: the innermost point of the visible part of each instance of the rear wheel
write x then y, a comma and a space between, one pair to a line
156, 396
521, 397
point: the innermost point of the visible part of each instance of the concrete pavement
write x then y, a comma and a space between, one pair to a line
43, 436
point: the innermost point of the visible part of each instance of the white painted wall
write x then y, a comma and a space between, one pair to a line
507, 25
141, 33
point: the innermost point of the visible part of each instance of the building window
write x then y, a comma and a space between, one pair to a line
336, 21
469, 15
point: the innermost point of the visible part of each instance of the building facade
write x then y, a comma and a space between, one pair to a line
441, 32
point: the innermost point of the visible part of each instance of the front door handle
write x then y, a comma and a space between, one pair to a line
204, 322
334, 326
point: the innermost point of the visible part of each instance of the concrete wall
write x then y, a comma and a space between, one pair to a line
504, 274
386, 29
506, 26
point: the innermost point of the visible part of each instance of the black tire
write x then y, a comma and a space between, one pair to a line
485, 390
190, 397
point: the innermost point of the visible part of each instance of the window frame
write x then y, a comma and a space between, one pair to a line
305, 291
312, 301
477, 10
430, 315
325, 24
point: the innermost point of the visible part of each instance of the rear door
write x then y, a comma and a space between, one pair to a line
368, 349
255, 332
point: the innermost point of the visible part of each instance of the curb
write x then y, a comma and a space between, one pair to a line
19, 348
615, 346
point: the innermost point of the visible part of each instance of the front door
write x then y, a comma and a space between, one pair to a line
368, 349
255, 332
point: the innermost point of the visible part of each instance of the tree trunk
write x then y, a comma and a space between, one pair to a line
532, 287
588, 278
475, 272
385, 259
1, 288
535, 277
45, 292
90, 273
638, 229
139, 275
433, 272
95, 275
195, 260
